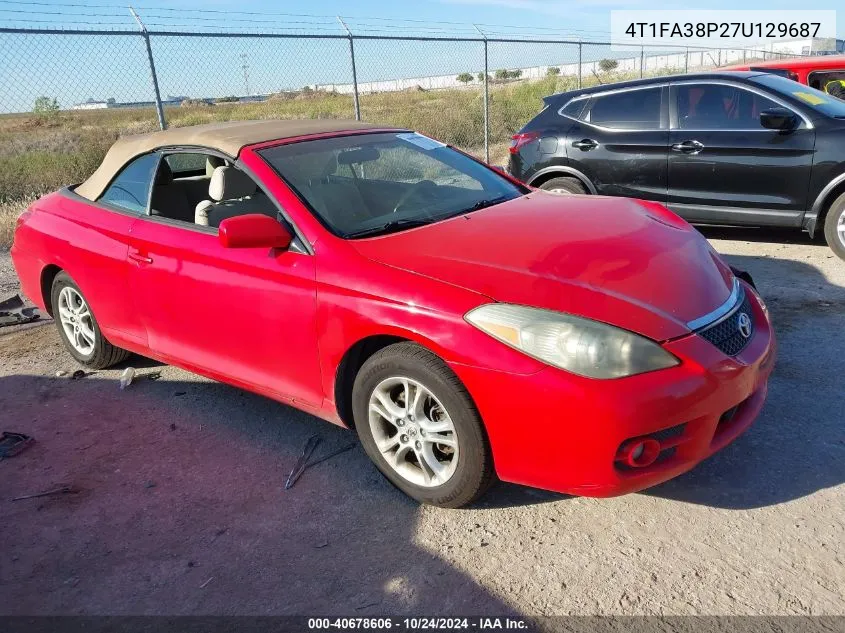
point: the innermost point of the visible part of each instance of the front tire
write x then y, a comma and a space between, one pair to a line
419, 426
564, 186
834, 227
78, 328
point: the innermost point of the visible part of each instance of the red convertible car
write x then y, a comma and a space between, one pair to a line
464, 325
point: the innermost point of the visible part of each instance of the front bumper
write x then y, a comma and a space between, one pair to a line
562, 432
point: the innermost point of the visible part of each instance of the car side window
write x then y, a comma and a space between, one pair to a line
131, 189
627, 110
830, 81
201, 189
573, 108
720, 107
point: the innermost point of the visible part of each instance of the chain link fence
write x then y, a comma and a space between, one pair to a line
65, 96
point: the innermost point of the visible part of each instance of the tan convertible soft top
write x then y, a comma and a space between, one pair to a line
228, 137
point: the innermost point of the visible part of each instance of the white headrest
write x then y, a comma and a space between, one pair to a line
228, 183
211, 162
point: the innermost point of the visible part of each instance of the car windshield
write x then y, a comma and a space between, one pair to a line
369, 184
816, 99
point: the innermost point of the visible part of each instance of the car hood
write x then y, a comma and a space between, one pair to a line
630, 263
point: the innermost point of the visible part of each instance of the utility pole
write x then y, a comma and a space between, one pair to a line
245, 67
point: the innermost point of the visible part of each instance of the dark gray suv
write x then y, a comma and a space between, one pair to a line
741, 148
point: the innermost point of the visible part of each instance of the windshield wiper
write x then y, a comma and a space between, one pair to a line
481, 204
393, 225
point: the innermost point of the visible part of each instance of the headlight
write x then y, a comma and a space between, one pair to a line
581, 346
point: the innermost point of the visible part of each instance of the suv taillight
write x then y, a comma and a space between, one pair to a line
520, 140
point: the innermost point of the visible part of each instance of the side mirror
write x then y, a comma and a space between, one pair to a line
253, 231
778, 119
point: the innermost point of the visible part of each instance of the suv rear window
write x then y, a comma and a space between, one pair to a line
628, 110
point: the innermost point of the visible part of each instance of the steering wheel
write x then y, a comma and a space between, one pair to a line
414, 191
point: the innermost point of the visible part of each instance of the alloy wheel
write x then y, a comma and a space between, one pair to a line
840, 228
413, 431
76, 320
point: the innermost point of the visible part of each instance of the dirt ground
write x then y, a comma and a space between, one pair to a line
181, 509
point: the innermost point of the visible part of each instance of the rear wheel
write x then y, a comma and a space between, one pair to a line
834, 227
419, 426
78, 328
564, 186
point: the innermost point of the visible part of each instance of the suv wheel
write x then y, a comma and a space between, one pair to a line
834, 227
564, 186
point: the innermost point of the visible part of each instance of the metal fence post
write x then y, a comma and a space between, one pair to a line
686, 60
580, 61
354, 70
486, 99
642, 58
159, 108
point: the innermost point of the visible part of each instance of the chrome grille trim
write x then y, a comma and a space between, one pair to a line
720, 312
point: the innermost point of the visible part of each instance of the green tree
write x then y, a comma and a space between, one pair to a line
46, 106
465, 78
607, 65
481, 77
515, 74
553, 71
501, 74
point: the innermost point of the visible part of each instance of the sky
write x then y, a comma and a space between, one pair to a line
76, 68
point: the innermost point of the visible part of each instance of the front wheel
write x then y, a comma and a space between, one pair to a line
834, 227
420, 428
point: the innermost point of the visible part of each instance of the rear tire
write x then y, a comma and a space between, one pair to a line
449, 473
564, 186
78, 328
834, 227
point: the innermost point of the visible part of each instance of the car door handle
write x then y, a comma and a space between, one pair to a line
142, 259
585, 145
688, 147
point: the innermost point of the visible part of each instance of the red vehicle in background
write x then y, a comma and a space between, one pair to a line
822, 72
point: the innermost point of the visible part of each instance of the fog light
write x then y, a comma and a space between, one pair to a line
641, 453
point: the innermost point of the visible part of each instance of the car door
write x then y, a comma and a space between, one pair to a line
724, 166
620, 142
246, 315
101, 234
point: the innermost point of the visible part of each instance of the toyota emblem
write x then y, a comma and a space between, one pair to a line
744, 325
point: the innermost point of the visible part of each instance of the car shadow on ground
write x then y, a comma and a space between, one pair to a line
178, 507
797, 445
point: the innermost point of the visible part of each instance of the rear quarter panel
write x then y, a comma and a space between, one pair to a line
90, 244
549, 149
